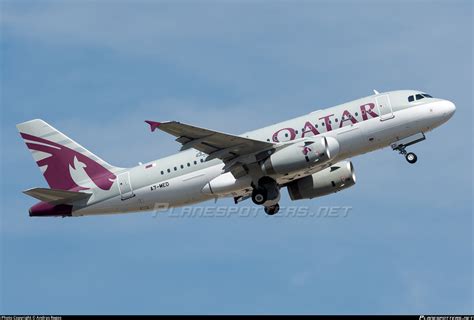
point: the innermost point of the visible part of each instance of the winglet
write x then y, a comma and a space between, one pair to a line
153, 124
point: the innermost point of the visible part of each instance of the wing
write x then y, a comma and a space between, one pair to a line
226, 147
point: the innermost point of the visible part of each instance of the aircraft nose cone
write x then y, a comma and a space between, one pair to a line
449, 109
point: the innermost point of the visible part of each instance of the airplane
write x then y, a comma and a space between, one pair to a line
309, 155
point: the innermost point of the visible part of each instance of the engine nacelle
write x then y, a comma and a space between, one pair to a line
333, 179
301, 155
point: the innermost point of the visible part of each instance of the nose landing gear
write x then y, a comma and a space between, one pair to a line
402, 144
411, 157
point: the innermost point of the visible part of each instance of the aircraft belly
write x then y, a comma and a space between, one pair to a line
179, 191
378, 134
351, 140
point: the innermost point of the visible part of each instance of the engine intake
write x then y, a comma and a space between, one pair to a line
337, 177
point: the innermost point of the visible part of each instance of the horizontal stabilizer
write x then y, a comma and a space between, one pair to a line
56, 195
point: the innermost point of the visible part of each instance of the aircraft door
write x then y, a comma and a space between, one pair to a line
385, 107
125, 187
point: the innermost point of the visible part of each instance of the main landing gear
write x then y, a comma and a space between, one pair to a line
259, 196
272, 209
267, 193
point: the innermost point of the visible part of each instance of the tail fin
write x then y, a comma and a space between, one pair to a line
65, 164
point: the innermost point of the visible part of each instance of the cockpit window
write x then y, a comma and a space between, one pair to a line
418, 96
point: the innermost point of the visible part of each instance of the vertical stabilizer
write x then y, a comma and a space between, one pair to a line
65, 164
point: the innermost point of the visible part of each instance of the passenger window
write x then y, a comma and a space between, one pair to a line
189, 164
182, 167
169, 170
162, 173
175, 168
419, 97
411, 99
202, 160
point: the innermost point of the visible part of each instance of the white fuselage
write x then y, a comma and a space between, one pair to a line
359, 126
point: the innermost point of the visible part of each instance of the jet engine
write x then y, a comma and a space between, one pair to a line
301, 155
330, 180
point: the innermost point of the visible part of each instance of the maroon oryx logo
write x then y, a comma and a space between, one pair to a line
57, 167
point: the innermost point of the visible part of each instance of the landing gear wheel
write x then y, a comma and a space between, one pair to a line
411, 157
272, 209
259, 196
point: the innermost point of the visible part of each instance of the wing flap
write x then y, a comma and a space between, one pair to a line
56, 195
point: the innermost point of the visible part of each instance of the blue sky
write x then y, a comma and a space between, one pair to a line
97, 69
